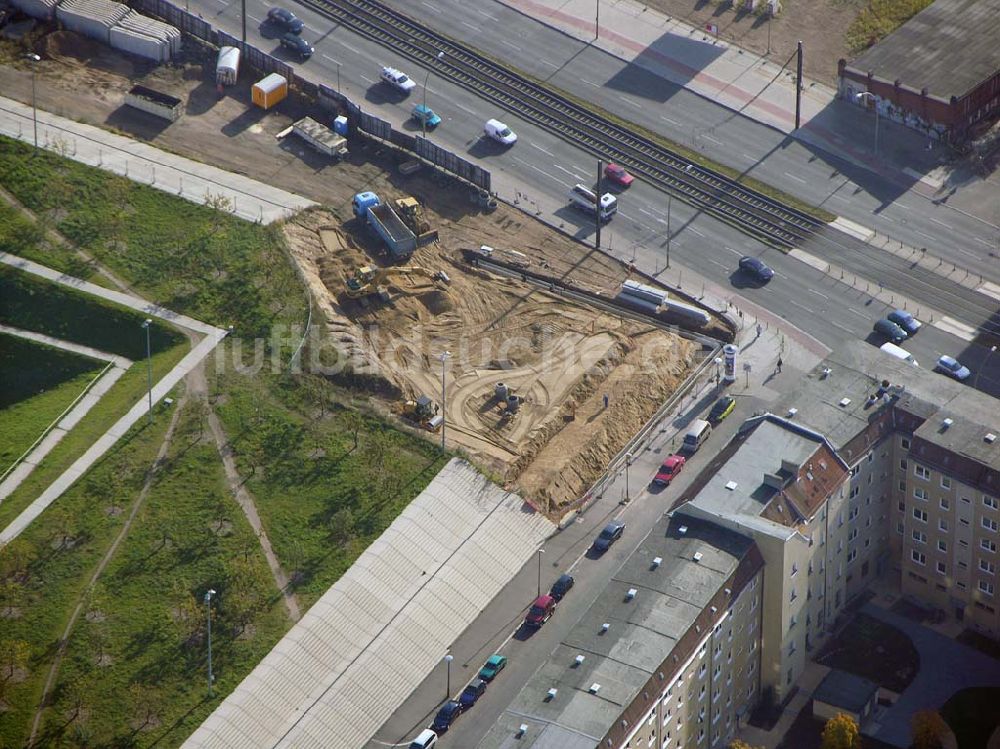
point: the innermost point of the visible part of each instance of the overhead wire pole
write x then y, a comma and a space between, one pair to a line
798, 87
597, 208
444, 418
243, 15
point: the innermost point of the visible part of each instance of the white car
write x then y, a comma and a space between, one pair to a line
398, 79
499, 132
953, 368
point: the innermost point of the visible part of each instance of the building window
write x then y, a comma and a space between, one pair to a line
920, 515
852, 555
986, 544
941, 568
918, 557
902, 505
902, 464
945, 503
986, 587
945, 482
988, 567
854, 492
962, 565
905, 443
942, 546
902, 486
942, 524
966, 500
852, 535
793, 596
990, 502
794, 569
990, 524
961, 585
919, 493
920, 472
920, 537
899, 528
855, 471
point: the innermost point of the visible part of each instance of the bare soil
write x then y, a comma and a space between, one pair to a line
560, 357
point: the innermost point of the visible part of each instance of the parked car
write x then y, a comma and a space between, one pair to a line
611, 533
561, 586
426, 116
285, 19
722, 408
397, 79
953, 368
905, 320
494, 665
754, 266
446, 716
669, 470
890, 330
426, 740
541, 611
472, 692
618, 175
499, 132
297, 44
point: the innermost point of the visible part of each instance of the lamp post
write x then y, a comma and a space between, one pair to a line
628, 464
444, 395
34, 110
670, 201
597, 21
423, 118
447, 689
208, 612
861, 97
718, 372
540, 552
149, 369
975, 382
338, 77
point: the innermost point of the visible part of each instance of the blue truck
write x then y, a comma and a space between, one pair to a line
399, 239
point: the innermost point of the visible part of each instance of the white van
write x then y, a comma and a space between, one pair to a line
900, 353
425, 740
696, 435
499, 132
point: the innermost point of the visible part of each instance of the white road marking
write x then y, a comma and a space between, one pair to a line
464, 109
983, 241
590, 83
533, 145
546, 62
797, 179
620, 213
960, 329
429, 6
469, 25
335, 62
941, 223
345, 45
257, 20
735, 252
838, 325
672, 122
716, 141
717, 263
629, 102
903, 207
813, 291
695, 231
366, 78
748, 157
859, 314
574, 175
966, 252
484, 14
800, 306
924, 234
542, 171
512, 46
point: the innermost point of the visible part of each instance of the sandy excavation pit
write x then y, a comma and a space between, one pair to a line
559, 358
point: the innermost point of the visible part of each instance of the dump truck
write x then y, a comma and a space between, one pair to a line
412, 213
320, 137
367, 280
424, 412
399, 240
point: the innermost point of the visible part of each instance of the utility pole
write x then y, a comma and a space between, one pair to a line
540, 552
597, 208
149, 369
243, 4
798, 88
670, 200
444, 392
34, 109
208, 610
597, 22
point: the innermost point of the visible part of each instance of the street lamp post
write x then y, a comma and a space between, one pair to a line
670, 201
628, 464
975, 382
447, 689
34, 109
444, 395
718, 372
861, 97
423, 118
208, 611
149, 369
540, 552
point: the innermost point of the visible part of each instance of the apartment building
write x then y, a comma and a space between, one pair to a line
667, 656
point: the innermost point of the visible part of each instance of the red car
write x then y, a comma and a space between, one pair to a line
541, 611
618, 175
669, 470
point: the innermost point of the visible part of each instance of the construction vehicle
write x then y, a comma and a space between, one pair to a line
423, 411
412, 213
399, 240
367, 280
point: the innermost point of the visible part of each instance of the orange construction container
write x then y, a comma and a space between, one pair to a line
269, 91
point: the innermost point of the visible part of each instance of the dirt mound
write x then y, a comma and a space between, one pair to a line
68, 46
437, 302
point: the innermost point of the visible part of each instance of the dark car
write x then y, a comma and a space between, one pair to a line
890, 330
541, 611
472, 692
754, 266
722, 408
561, 586
611, 533
285, 19
905, 320
446, 716
298, 45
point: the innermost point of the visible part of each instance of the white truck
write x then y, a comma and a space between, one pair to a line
586, 199
227, 68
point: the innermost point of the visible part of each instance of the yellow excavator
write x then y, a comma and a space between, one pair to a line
423, 411
367, 280
412, 213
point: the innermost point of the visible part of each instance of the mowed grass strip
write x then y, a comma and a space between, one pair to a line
39, 383
879, 19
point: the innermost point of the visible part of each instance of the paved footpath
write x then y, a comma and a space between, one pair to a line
140, 162
81, 465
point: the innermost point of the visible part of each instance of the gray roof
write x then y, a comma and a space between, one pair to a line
845, 690
856, 370
950, 47
642, 634
373, 637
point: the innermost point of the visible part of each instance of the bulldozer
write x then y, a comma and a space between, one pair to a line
367, 280
423, 411
412, 213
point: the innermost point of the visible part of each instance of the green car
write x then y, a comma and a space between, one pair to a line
426, 115
492, 667
722, 408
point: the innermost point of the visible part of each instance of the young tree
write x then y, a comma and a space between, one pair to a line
741, 744
841, 732
929, 730
14, 655
15, 559
142, 701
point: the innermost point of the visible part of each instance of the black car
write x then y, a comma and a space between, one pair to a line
285, 19
472, 692
755, 267
890, 330
297, 44
446, 716
611, 533
561, 587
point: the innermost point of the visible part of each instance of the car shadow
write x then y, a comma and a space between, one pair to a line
594, 553
742, 280
524, 632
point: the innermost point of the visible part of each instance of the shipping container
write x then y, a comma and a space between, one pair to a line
269, 91
155, 103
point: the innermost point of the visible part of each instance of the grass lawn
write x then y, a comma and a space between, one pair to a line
322, 497
973, 714
874, 650
40, 382
880, 19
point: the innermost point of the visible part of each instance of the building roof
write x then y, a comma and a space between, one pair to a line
373, 637
949, 48
643, 632
844, 690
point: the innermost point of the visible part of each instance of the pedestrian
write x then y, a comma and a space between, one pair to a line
760, 329
779, 364
605, 401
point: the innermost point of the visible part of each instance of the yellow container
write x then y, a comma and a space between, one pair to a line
269, 91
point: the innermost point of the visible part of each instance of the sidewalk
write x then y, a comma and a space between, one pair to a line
140, 162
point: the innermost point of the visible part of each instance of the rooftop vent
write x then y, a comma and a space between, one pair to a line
595, 688
792, 412
631, 594
657, 561
731, 485
579, 660
551, 694
990, 437
697, 556
844, 402
683, 529
605, 627
947, 423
